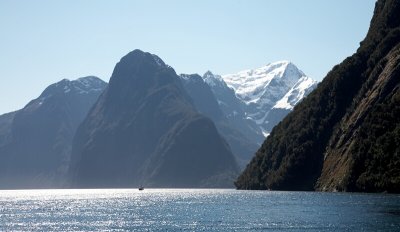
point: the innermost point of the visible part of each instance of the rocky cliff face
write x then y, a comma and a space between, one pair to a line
345, 135
144, 130
35, 142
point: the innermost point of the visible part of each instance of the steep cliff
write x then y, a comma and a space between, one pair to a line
345, 135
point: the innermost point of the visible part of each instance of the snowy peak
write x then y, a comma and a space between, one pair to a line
263, 96
213, 80
268, 82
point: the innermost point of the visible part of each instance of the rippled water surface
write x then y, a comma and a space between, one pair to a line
195, 210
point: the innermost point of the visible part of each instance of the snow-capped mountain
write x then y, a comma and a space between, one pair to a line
269, 84
264, 95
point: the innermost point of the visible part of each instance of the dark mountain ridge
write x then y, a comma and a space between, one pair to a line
345, 135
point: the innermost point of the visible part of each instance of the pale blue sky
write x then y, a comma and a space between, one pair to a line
42, 42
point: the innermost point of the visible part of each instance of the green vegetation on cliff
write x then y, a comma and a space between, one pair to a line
345, 135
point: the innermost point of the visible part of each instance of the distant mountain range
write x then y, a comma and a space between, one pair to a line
148, 126
145, 130
345, 135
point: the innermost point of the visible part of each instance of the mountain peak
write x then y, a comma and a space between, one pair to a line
138, 65
208, 74
93, 79
145, 128
250, 85
139, 56
83, 85
213, 80
280, 63
267, 93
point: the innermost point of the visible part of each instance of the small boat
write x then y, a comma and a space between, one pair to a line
141, 188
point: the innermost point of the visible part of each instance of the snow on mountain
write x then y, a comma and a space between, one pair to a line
266, 84
301, 89
265, 94
89, 83
83, 85
233, 107
158, 60
214, 80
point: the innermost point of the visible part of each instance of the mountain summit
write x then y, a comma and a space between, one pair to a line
257, 99
144, 130
270, 92
256, 85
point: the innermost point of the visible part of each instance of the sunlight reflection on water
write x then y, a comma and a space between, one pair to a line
195, 210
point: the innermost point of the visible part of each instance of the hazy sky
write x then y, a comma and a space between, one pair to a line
42, 42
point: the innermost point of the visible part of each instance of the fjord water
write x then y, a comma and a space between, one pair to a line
195, 210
